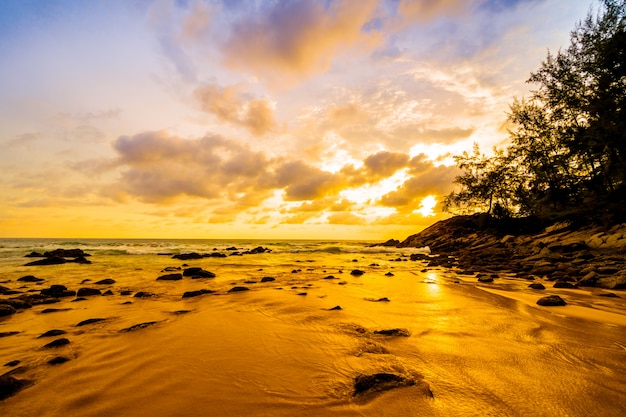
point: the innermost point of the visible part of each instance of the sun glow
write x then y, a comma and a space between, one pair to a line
427, 205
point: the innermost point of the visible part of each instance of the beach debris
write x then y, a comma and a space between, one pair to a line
170, 277
551, 300
57, 343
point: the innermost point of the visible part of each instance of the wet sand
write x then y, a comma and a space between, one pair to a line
280, 349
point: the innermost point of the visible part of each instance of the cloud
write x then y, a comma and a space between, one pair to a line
384, 164
305, 182
430, 180
229, 105
300, 38
346, 218
426, 10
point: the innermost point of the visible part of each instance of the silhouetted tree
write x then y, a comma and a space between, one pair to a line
568, 141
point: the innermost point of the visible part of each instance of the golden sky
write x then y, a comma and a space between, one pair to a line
324, 119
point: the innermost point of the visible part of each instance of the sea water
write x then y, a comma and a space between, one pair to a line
294, 345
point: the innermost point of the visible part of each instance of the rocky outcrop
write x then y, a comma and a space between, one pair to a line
58, 257
587, 255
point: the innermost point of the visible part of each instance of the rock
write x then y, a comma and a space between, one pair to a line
86, 292
537, 286
57, 291
53, 310
357, 272
34, 255
198, 273
393, 332
389, 274
30, 278
58, 360
144, 294
388, 243
13, 363
107, 292
551, 300
302, 294
81, 260
56, 260
268, 279
6, 334
239, 289
138, 326
608, 294
65, 253
57, 343
170, 277
171, 269
563, 284
335, 308
379, 382
10, 386
485, 278
89, 321
189, 294
107, 281
188, 256
259, 249
6, 310
52, 333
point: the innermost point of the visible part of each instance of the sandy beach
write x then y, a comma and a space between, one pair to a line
298, 343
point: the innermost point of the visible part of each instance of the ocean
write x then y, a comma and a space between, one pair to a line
301, 334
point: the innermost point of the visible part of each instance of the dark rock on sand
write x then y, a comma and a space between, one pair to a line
89, 321
86, 292
66, 253
389, 274
52, 333
551, 300
357, 272
335, 308
57, 291
239, 289
55, 260
268, 279
198, 273
537, 286
107, 281
138, 326
81, 260
485, 278
379, 382
196, 293
30, 278
563, 284
13, 363
34, 255
53, 310
58, 360
397, 332
6, 334
170, 277
6, 310
144, 294
188, 256
10, 386
57, 343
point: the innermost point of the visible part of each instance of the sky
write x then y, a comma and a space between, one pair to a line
307, 119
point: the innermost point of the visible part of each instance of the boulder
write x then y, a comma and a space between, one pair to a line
10, 386
52, 333
85, 292
89, 321
397, 332
57, 291
239, 289
30, 278
198, 273
6, 310
196, 293
144, 294
57, 343
268, 279
357, 272
107, 281
57, 360
563, 284
379, 382
138, 326
55, 260
65, 253
537, 286
188, 256
551, 300
170, 277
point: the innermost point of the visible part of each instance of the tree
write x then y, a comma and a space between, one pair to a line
568, 141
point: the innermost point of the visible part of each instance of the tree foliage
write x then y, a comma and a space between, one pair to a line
568, 141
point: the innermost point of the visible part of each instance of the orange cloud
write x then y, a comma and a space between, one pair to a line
425, 10
228, 105
299, 38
